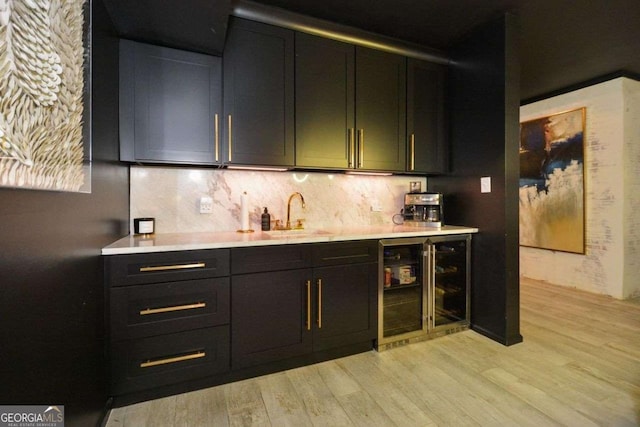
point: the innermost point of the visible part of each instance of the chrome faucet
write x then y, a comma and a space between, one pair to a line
288, 224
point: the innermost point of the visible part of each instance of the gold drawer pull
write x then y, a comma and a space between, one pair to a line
173, 308
308, 305
172, 267
150, 363
216, 131
319, 303
412, 143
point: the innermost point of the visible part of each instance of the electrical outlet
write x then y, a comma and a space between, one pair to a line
206, 205
376, 206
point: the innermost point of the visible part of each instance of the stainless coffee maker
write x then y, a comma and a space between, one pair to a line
423, 209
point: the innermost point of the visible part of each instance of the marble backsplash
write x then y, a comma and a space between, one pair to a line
172, 196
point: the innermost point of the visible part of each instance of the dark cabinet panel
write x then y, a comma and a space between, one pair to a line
427, 151
270, 258
169, 359
325, 101
170, 105
358, 251
136, 269
350, 106
346, 310
380, 110
281, 314
161, 308
168, 317
269, 314
258, 94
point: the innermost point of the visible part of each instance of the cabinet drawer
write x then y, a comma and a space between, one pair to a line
270, 258
147, 310
168, 359
137, 269
354, 252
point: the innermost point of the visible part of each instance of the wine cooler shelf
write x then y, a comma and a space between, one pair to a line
424, 288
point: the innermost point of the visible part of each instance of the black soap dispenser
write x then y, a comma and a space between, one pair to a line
266, 220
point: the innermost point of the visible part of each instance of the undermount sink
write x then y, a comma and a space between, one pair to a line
297, 233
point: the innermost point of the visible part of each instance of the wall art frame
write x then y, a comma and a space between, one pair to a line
45, 95
552, 182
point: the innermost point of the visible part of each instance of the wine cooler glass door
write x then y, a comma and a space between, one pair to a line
449, 275
403, 306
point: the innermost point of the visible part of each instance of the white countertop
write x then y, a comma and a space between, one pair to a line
232, 239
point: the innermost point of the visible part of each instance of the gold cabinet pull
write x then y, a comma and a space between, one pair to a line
148, 311
216, 126
319, 303
360, 148
412, 145
158, 362
172, 267
308, 305
352, 148
230, 139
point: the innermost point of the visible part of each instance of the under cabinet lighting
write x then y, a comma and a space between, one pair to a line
257, 168
368, 173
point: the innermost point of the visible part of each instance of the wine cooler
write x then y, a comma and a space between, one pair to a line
424, 288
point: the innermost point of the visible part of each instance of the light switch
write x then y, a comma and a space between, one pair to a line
485, 184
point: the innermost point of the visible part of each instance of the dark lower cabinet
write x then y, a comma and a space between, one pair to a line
282, 314
269, 312
161, 360
169, 317
345, 306
185, 319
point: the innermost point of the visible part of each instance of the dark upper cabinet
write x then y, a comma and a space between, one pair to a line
170, 105
325, 102
350, 106
380, 110
194, 25
427, 143
258, 68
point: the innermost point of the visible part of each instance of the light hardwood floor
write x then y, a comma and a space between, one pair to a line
579, 365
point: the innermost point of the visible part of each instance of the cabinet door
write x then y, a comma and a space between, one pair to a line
152, 362
138, 269
258, 94
426, 117
346, 305
269, 313
161, 308
380, 110
170, 105
325, 92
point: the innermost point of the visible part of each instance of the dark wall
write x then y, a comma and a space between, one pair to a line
51, 285
484, 143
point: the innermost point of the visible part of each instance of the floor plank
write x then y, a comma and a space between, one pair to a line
579, 365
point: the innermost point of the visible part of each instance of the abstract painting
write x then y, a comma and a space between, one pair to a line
44, 70
552, 182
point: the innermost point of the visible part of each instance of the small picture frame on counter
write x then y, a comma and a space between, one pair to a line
144, 226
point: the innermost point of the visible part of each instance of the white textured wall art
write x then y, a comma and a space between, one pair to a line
41, 94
